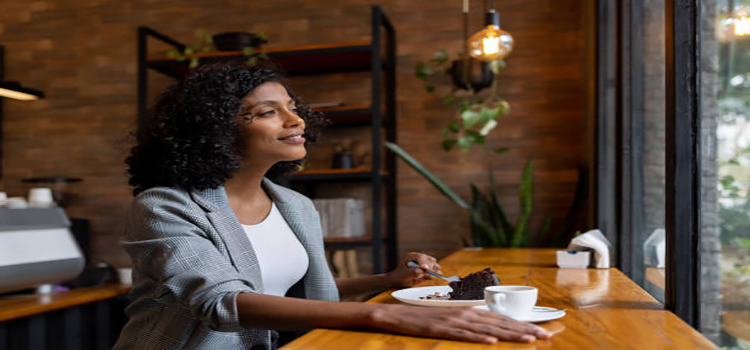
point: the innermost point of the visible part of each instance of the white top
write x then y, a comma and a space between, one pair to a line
282, 258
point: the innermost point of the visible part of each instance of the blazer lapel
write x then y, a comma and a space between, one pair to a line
230, 230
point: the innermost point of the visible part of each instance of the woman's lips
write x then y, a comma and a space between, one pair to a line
297, 139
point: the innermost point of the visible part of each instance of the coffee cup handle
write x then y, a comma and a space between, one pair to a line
499, 301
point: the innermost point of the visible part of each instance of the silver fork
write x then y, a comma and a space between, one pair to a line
454, 278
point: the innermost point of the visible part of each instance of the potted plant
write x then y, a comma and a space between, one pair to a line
490, 226
249, 43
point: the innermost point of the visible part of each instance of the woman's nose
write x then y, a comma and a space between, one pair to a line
293, 119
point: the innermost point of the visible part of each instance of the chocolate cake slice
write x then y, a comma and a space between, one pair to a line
472, 286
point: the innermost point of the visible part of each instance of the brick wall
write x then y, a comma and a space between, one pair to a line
82, 54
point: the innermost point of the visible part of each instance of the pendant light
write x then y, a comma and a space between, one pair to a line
14, 90
467, 72
491, 43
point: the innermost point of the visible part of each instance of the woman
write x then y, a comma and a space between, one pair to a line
222, 257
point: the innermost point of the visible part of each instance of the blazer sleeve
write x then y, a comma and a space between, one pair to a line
165, 236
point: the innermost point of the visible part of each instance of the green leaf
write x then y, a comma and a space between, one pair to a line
251, 61
423, 70
449, 144
481, 216
441, 186
475, 137
189, 51
503, 108
193, 63
488, 127
470, 118
501, 150
441, 56
173, 54
521, 234
465, 242
454, 126
504, 225
261, 36
481, 232
488, 114
247, 51
465, 143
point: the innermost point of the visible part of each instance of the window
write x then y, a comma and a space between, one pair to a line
725, 172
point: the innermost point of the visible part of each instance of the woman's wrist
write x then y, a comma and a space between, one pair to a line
390, 280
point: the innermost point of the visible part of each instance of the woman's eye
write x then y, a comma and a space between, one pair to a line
267, 113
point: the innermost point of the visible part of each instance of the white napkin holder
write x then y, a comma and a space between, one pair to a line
573, 259
594, 243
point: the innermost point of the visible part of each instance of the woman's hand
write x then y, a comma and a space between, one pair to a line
464, 324
404, 276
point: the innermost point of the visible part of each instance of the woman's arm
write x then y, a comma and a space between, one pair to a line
465, 324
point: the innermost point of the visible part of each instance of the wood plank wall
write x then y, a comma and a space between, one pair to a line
83, 55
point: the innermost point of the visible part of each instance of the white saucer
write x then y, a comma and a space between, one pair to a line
537, 314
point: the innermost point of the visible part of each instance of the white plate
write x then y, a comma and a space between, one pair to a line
537, 314
411, 296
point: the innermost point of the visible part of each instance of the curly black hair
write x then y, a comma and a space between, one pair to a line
189, 137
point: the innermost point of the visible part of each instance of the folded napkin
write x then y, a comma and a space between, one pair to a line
593, 240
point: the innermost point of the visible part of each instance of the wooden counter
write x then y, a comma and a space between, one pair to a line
605, 309
19, 306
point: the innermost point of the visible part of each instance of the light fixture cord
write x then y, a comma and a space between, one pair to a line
466, 27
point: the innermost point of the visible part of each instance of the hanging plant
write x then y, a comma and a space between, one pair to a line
477, 113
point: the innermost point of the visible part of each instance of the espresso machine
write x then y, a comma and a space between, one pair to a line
37, 247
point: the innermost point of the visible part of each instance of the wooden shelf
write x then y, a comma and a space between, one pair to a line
343, 116
298, 60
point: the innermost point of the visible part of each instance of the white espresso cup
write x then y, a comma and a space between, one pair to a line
510, 300
41, 197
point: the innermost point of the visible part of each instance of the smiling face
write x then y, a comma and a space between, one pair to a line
273, 130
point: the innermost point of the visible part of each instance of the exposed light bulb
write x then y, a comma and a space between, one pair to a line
490, 44
741, 26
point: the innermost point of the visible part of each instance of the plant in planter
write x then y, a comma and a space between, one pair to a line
249, 43
490, 226
477, 112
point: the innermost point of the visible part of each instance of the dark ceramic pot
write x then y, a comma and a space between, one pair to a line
237, 41
479, 74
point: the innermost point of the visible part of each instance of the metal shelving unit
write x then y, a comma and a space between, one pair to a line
377, 56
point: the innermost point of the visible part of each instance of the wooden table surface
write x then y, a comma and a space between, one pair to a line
605, 309
19, 306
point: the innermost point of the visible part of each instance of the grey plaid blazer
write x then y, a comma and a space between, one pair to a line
191, 258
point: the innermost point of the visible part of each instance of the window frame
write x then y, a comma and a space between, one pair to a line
619, 139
